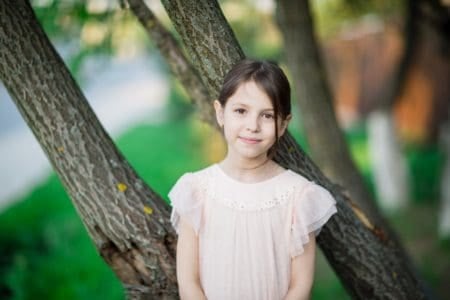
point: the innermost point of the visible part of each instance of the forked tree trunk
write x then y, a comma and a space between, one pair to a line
368, 261
128, 222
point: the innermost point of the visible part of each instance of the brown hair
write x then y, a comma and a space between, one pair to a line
269, 77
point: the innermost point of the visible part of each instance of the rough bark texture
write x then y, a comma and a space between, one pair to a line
211, 47
179, 65
364, 257
128, 222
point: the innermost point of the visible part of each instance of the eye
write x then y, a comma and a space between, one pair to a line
268, 116
240, 111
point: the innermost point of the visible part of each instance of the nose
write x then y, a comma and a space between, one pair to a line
252, 123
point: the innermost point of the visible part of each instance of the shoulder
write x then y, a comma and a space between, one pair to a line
205, 172
311, 198
297, 181
192, 179
303, 188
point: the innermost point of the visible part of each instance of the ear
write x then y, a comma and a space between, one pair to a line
219, 112
284, 124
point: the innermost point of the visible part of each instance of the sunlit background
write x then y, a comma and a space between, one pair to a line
45, 252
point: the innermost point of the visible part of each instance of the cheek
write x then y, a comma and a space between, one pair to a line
269, 129
232, 121
230, 127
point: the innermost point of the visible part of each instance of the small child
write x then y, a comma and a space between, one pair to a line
246, 226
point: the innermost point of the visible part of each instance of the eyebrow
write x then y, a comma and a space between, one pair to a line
245, 105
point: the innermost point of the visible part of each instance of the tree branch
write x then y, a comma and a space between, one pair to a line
178, 63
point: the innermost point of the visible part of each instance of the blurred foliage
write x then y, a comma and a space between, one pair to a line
179, 104
425, 168
330, 16
83, 29
255, 28
356, 138
424, 163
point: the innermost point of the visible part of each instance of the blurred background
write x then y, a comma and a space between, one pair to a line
45, 252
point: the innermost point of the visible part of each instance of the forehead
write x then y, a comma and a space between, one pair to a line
250, 94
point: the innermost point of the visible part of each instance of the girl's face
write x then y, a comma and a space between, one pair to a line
249, 122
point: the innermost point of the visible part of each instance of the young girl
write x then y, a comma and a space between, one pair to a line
246, 226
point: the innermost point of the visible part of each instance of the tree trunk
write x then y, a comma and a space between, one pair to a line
325, 139
318, 114
128, 222
367, 260
211, 48
444, 212
388, 163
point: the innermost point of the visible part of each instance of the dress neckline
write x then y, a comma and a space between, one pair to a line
229, 178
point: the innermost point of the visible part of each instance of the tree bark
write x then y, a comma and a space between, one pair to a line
367, 260
211, 48
128, 222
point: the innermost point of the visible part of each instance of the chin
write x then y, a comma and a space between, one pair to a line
251, 154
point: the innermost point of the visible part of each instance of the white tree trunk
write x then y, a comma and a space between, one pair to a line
388, 164
444, 215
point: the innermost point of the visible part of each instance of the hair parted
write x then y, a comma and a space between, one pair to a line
269, 77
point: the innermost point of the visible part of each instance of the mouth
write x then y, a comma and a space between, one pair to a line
249, 140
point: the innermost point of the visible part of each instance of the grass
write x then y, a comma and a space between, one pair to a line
45, 252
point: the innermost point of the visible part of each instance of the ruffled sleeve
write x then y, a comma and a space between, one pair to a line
312, 208
186, 203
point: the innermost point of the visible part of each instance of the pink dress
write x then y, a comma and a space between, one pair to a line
248, 232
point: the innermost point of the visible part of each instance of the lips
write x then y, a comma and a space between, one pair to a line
248, 140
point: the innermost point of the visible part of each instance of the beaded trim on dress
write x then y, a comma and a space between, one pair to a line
209, 184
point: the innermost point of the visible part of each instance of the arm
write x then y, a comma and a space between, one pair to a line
302, 272
188, 263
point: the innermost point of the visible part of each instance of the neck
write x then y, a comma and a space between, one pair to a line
248, 170
244, 164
